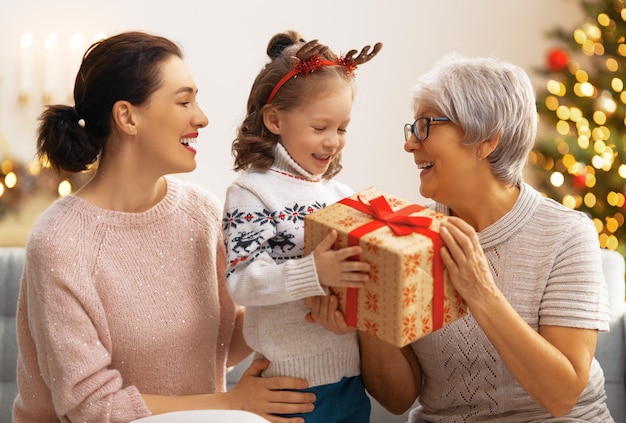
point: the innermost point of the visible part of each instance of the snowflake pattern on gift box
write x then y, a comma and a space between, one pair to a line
426, 325
411, 264
447, 314
437, 219
371, 302
348, 222
459, 305
373, 244
409, 295
394, 202
431, 255
371, 327
409, 326
374, 273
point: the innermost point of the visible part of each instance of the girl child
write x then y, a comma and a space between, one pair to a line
289, 147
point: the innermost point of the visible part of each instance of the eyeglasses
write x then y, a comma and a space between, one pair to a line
421, 127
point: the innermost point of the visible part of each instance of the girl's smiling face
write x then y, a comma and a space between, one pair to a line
315, 133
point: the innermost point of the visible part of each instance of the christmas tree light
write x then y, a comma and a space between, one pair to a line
580, 156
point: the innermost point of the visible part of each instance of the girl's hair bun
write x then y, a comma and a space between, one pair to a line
280, 42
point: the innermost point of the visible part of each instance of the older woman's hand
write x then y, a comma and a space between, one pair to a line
465, 261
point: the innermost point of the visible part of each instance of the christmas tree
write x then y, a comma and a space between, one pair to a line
580, 155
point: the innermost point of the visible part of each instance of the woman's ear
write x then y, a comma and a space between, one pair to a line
124, 118
271, 119
487, 147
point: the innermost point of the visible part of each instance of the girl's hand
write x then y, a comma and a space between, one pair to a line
334, 267
269, 396
324, 310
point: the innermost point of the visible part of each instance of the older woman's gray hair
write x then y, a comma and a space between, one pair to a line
488, 98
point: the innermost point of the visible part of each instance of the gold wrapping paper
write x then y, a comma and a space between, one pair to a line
409, 294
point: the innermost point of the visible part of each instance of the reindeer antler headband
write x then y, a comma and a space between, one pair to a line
314, 51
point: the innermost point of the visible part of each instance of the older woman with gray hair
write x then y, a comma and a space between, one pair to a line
528, 268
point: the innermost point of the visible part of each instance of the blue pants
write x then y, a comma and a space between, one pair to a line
343, 402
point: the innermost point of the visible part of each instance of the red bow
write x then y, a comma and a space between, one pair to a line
401, 223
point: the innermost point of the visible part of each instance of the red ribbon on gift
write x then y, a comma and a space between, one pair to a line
401, 223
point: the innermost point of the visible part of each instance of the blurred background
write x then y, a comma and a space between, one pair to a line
566, 44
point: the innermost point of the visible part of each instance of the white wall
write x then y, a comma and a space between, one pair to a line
225, 45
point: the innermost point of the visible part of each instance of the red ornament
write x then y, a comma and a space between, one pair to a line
579, 181
557, 60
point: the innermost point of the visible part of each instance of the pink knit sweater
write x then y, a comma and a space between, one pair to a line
116, 304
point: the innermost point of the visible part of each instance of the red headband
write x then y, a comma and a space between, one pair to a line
302, 67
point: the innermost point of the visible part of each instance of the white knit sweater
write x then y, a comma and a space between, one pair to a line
264, 234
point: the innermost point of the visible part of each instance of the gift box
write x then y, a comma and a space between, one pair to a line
409, 294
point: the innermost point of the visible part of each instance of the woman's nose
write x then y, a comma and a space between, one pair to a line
200, 120
412, 144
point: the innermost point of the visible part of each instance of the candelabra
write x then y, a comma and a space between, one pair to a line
48, 66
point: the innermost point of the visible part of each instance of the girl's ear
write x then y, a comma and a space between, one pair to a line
271, 119
124, 118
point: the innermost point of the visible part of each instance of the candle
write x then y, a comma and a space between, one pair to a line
76, 56
26, 65
50, 69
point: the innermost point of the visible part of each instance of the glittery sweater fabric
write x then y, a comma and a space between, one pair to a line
115, 304
545, 259
267, 272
